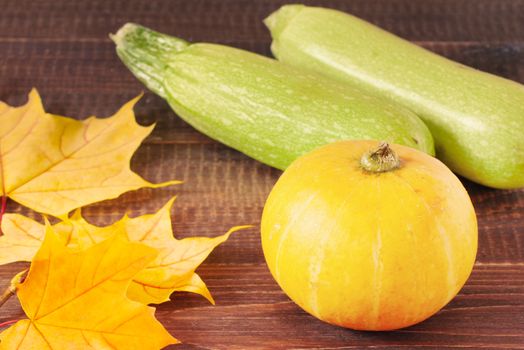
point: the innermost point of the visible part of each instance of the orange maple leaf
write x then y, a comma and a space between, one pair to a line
77, 300
54, 164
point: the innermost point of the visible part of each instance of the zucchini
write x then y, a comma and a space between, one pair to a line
257, 105
477, 119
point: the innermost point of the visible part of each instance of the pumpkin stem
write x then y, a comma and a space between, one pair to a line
380, 160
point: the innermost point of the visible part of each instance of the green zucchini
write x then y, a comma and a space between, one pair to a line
257, 105
477, 119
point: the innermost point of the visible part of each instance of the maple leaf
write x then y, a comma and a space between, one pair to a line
23, 236
174, 267
21, 239
54, 164
172, 270
77, 300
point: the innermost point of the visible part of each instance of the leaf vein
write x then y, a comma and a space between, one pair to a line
116, 272
42, 335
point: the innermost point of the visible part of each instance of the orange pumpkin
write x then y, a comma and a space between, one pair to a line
369, 239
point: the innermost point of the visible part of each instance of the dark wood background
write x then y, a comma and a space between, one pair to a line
62, 48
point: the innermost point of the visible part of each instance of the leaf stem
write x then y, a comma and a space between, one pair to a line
8, 292
7, 323
13, 285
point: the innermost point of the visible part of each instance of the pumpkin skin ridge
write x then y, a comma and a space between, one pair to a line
397, 184
376, 254
274, 269
356, 172
378, 261
315, 310
452, 278
445, 248
282, 239
455, 284
466, 198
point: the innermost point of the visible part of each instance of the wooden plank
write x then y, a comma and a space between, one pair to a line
252, 312
442, 20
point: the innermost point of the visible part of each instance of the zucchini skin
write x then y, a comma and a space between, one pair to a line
269, 111
476, 118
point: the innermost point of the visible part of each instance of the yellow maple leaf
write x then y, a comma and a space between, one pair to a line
172, 270
54, 164
23, 236
21, 239
77, 300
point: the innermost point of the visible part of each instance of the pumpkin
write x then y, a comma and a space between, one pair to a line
367, 237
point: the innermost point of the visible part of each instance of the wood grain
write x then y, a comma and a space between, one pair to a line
252, 313
62, 48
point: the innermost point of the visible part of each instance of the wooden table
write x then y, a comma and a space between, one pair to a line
62, 48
